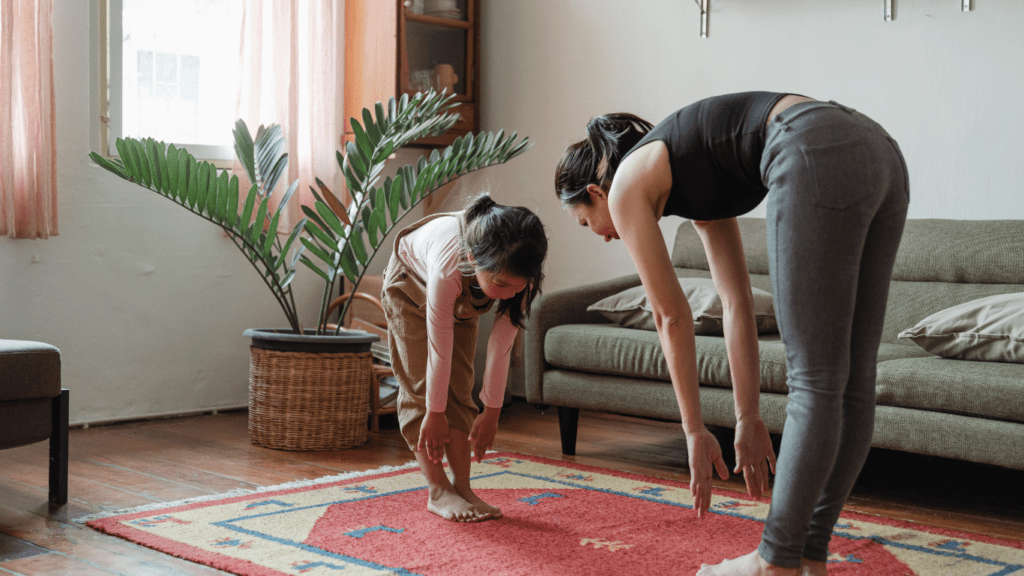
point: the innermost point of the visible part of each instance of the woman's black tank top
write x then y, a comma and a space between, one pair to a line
715, 147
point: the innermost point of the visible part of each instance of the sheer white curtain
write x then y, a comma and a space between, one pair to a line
291, 74
28, 149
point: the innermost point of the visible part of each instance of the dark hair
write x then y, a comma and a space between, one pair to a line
595, 159
506, 240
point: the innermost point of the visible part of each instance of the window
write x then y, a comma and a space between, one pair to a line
173, 73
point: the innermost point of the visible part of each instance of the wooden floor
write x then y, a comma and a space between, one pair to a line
132, 464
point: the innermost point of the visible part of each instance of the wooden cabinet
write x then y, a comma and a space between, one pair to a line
395, 47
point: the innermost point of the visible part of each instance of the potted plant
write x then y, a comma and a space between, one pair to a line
308, 383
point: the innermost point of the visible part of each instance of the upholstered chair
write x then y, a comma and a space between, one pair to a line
33, 407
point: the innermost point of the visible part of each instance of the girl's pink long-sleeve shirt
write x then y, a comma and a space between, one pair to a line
432, 252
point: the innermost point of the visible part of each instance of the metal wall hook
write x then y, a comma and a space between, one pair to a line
965, 5
705, 7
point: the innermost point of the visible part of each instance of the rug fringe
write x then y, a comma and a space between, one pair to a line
244, 492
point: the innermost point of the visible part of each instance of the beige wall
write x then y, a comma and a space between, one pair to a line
148, 303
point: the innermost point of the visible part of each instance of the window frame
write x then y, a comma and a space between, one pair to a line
110, 92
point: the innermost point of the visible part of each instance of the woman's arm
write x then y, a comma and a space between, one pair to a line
724, 247
635, 200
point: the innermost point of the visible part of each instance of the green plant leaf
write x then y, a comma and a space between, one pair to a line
127, 158
202, 187
356, 161
268, 242
232, 210
348, 265
330, 218
247, 208
314, 268
355, 240
288, 243
223, 194
320, 232
371, 129
109, 165
316, 250
172, 171
154, 165
318, 223
261, 217
141, 160
183, 169
287, 279
395, 197
382, 119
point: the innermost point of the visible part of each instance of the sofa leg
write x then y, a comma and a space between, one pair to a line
568, 422
59, 449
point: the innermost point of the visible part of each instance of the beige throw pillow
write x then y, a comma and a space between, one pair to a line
631, 309
989, 329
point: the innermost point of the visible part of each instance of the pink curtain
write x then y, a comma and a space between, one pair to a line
291, 74
28, 149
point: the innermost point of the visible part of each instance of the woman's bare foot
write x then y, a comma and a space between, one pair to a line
469, 496
813, 568
449, 505
750, 565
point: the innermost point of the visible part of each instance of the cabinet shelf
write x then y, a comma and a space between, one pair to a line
435, 21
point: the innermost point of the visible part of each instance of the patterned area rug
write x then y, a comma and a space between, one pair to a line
560, 519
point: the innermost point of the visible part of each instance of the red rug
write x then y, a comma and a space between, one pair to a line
560, 519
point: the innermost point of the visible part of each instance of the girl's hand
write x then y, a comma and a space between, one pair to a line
754, 454
433, 436
485, 427
705, 456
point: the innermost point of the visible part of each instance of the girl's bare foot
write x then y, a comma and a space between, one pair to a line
813, 568
750, 565
493, 511
449, 505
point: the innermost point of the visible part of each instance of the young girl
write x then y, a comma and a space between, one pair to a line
446, 270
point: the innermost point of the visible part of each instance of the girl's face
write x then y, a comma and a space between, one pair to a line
500, 286
595, 215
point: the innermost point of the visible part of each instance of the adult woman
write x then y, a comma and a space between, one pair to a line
837, 192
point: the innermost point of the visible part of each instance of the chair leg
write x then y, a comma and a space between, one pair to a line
59, 449
568, 423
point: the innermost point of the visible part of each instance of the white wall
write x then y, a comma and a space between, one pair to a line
946, 84
147, 303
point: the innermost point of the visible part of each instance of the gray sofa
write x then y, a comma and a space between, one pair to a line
927, 404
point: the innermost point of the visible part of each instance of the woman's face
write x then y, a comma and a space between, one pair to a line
595, 215
499, 286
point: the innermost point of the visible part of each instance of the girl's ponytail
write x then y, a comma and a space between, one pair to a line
480, 206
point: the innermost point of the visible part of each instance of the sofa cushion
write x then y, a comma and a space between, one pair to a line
631, 308
987, 389
612, 350
988, 329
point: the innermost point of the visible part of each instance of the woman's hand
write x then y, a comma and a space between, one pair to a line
433, 436
754, 454
485, 427
705, 456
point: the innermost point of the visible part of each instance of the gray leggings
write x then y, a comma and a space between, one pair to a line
837, 202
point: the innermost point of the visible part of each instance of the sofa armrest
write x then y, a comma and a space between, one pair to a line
567, 306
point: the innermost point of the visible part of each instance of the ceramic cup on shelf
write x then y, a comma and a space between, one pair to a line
445, 78
415, 6
421, 80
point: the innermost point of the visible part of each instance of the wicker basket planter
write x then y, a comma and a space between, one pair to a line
309, 392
